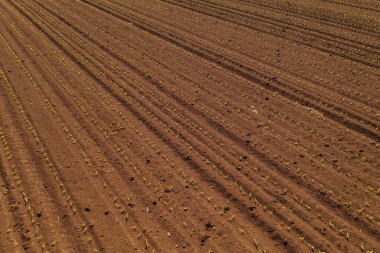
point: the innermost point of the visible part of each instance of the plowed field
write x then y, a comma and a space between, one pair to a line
189, 126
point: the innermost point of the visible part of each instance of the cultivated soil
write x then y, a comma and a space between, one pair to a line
190, 126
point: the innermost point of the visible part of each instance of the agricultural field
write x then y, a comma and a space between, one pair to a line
190, 126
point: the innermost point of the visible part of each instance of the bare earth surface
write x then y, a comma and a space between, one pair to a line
190, 126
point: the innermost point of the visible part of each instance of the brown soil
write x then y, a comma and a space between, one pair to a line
189, 126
